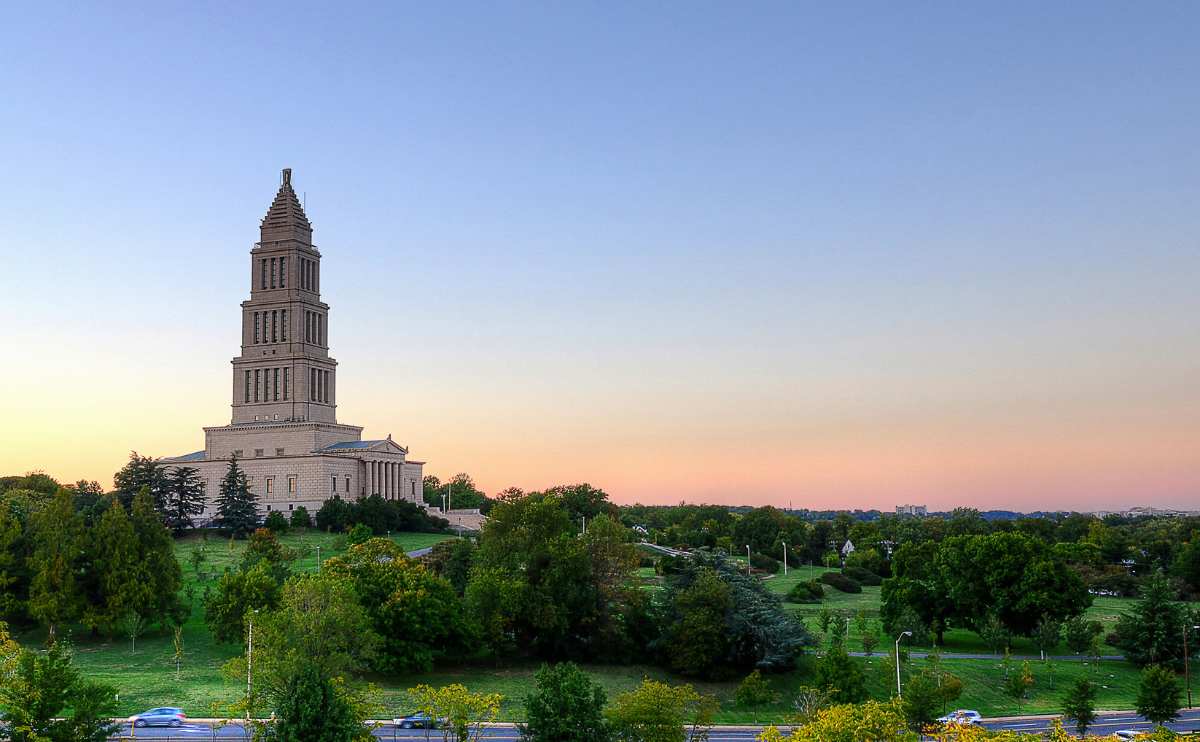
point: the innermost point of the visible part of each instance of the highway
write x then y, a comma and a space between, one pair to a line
195, 731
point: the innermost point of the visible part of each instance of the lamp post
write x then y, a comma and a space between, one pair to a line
747, 560
318, 559
904, 634
784, 558
1187, 670
249, 663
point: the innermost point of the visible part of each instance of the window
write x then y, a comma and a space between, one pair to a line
283, 324
274, 326
257, 380
256, 327
272, 272
320, 329
285, 383
247, 386
414, 487
332, 483
279, 452
275, 385
291, 485
270, 486
283, 273
263, 282
289, 506
258, 452
347, 484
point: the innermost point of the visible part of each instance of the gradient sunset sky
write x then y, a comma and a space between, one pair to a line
837, 255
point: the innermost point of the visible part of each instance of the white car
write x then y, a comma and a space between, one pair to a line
962, 716
1129, 734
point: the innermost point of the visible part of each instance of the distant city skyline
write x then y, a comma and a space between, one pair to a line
843, 257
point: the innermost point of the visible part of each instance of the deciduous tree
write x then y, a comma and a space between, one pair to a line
657, 712
59, 545
565, 706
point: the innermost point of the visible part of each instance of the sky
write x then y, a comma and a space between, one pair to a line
826, 255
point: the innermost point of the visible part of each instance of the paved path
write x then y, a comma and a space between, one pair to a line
1107, 723
985, 656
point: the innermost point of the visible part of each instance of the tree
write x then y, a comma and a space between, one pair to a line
116, 568
310, 709
183, 494
657, 712
334, 515
139, 472
1047, 635
1158, 696
465, 714
1016, 684
275, 522
494, 599
300, 518
418, 614
1150, 633
237, 506
994, 634
58, 538
697, 642
1080, 705
13, 542
451, 560
237, 594
156, 557
841, 676
874, 720
41, 689
264, 548
869, 641
754, 692
566, 706
921, 701
1080, 634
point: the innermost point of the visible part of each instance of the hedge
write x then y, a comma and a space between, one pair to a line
862, 576
806, 592
839, 581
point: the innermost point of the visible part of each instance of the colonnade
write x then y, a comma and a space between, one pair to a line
385, 478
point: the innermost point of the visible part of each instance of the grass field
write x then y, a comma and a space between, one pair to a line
147, 677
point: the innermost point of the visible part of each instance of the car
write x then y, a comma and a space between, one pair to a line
1129, 734
419, 720
962, 716
164, 716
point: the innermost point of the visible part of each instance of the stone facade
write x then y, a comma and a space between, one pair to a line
284, 430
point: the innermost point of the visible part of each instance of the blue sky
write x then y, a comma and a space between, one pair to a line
780, 252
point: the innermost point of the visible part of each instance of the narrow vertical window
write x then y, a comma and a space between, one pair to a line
247, 389
256, 327
312, 385
316, 277
273, 272
291, 485
285, 383
275, 385
257, 381
274, 326
332, 483
283, 325
347, 483
263, 281
320, 329
283, 273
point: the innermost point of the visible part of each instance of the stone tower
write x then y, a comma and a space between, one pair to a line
284, 372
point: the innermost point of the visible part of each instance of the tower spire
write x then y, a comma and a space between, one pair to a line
285, 219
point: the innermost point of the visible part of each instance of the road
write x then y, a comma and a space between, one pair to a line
1105, 724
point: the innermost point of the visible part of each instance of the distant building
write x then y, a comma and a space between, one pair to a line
284, 432
918, 510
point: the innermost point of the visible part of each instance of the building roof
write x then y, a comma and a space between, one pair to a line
348, 445
286, 219
194, 456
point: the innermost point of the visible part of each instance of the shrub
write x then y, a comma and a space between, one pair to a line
839, 581
360, 533
863, 576
764, 563
301, 518
806, 592
334, 515
275, 522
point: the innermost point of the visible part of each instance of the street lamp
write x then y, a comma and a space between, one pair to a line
784, 558
1187, 671
249, 663
906, 633
747, 560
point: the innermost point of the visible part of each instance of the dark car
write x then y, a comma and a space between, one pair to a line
420, 720
164, 716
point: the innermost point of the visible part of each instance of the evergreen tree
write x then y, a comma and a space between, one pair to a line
237, 506
309, 709
1158, 696
41, 688
841, 676
184, 492
55, 596
120, 577
1080, 705
156, 558
140, 471
1150, 633
12, 544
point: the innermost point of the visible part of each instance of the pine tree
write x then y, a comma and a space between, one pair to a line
141, 471
117, 570
237, 507
1149, 633
1080, 705
1158, 696
55, 596
184, 492
156, 558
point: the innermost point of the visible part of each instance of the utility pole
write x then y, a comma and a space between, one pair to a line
906, 633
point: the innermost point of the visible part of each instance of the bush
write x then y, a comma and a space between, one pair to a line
764, 563
839, 581
275, 522
359, 534
863, 576
301, 518
334, 515
806, 592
